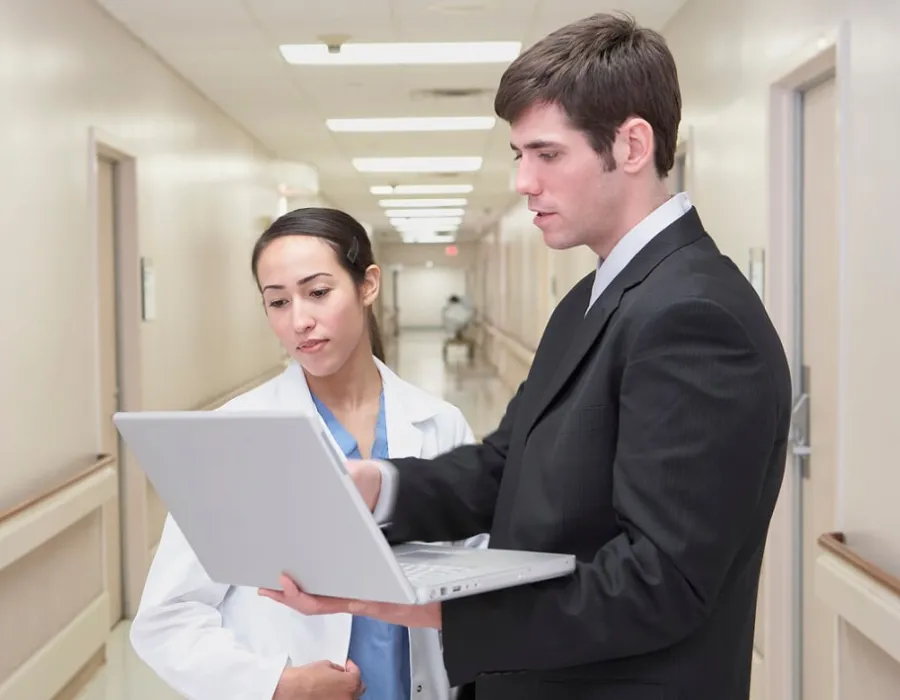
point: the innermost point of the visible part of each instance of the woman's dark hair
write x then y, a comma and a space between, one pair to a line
343, 233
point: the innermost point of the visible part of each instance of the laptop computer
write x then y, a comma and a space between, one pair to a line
261, 493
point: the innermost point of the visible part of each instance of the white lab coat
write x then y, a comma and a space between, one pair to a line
214, 642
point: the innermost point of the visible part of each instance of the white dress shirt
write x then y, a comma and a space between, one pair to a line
633, 242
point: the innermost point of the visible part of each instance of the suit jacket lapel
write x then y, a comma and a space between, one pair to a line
589, 328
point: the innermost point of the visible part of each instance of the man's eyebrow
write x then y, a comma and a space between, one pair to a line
535, 145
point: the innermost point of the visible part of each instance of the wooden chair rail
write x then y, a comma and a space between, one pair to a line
836, 543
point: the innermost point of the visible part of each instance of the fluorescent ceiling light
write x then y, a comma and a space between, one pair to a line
421, 189
424, 213
412, 124
427, 229
427, 238
419, 224
448, 164
417, 203
387, 54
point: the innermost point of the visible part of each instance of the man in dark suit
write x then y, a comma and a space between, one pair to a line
649, 437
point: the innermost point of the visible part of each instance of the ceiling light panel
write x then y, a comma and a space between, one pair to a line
420, 203
420, 189
410, 53
411, 124
436, 222
442, 164
427, 238
424, 213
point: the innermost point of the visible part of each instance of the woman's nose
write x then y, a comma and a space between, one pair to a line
303, 321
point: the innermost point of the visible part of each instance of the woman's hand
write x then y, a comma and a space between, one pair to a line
427, 615
320, 680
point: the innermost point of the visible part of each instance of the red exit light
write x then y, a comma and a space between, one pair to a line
451, 251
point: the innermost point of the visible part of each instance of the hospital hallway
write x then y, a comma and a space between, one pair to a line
196, 190
417, 357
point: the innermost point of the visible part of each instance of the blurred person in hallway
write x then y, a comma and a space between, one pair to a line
456, 317
650, 435
315, 271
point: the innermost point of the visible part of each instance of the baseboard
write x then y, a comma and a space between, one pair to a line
54, 667
88, 672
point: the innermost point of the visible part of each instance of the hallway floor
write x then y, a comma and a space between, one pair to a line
416, 357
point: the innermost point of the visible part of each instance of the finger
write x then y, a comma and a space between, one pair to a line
277, 596
352, 668
288, 585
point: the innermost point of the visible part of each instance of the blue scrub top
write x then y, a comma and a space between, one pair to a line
380, 649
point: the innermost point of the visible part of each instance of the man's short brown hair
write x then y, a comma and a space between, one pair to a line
600, 70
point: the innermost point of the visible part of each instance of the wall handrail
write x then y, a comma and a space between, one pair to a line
85, 467
222, 399
524, 353
90, 466
836, 543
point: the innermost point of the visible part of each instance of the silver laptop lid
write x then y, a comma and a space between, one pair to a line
260, 492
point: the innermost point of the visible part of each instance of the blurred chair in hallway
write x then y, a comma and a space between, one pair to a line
457, 318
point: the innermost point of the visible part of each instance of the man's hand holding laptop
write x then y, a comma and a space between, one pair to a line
366, 474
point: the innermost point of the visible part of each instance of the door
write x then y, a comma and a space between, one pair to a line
816, 412
107, 289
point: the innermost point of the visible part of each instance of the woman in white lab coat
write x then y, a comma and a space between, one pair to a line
315, 271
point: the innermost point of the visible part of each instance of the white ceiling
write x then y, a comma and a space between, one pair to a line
229, 50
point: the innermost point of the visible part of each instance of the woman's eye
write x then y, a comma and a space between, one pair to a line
319, 293
277, 303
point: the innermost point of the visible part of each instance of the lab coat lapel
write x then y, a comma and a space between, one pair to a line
333, 637
403, 409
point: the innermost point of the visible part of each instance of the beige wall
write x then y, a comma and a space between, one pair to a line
728, 54
203, 188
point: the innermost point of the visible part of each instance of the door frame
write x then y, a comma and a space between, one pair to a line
827, 56
132, 491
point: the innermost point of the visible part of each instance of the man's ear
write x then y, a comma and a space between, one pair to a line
371, 285
638, 144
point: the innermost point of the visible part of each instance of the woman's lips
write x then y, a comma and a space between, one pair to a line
312, 346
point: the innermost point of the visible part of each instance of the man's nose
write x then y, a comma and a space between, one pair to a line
526, 181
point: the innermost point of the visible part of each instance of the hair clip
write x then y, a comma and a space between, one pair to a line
353, 253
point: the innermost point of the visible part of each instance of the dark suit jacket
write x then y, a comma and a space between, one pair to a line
649, 439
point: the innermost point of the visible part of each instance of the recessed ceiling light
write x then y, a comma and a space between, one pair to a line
416, 203
427, 238
409, 53
423, 213
430, 223
420, 229
411, 124
448, 164
421, 189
